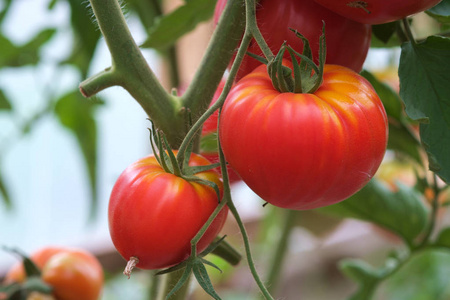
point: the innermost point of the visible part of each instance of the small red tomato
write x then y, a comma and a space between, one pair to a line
72, 273
347, 41
377, 11
303, 151
153, 215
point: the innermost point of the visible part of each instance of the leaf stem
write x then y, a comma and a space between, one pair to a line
131, 71
433, 215
279, 254
408, 31
218, 55
252, 27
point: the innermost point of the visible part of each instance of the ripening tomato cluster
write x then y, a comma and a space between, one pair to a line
295, 150
73, 274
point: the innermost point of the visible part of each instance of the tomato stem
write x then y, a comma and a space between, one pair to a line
408, 31
131, 264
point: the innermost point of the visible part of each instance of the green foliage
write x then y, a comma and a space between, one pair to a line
441, 12
27, 54
170, 27
86, 36
443, 239
4, 192
424, 277
384, 35
402, 212
5, 104
424, 86
401, 138
76, 113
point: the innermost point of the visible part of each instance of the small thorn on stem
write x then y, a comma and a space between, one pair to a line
359, 4
130, 266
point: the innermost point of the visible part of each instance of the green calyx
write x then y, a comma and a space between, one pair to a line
306, 76
179, 165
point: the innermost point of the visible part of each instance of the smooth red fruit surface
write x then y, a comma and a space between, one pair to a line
74, 275
303, 151
153, 215
208, 142
377, 11
347, 41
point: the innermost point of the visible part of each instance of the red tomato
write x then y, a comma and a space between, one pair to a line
17, 272
347, 41
72, 273
153, 215
208, 143
377, 11
303, 151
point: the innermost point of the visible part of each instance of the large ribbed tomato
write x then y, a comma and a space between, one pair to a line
153, 215
347, 41
303, 151
377, 11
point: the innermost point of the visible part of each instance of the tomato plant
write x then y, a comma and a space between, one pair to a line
167, 210
347, 41
377, 11
303, 151
71, 273
208, 143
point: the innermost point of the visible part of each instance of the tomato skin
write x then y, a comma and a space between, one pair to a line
303, 151
377, 11
153, 215
72, 273
347, 41
209, 132
40, 257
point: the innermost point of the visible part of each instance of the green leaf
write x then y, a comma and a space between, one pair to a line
184, 278
424, 87
4, 192
441, 12
424, 277
202, 277
76, 113
169, 28
365, 275
402, 212
86, 36
384, 32
443, 239
28, 54
5, 104
402, 140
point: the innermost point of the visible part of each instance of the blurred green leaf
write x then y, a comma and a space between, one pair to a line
4, 192
424, 277
28, 54
424, 87
86, 36
402, 212
172, 26
441, 12
5, 10
5, 104
76, 113
365, 275
384, 32
443, 239
402, 140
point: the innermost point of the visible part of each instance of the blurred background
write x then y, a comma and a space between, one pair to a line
60, 155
